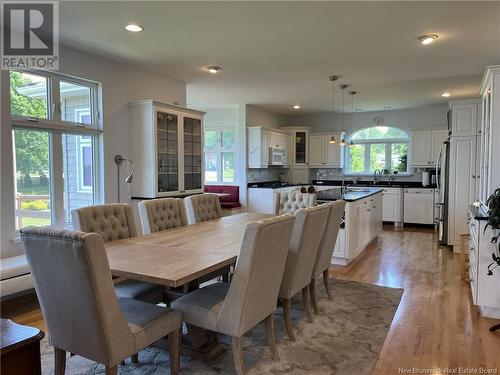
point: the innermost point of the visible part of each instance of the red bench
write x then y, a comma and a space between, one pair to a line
229, 201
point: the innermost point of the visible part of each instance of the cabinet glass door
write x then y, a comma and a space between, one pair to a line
300, 147
192, 153
167, 138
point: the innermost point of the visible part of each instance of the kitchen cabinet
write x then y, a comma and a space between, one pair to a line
461, 186
363, 222
392, 210
425, 147
489, 172
339, 249
260, 141
324, 154
464, 118
167, 150
299, 146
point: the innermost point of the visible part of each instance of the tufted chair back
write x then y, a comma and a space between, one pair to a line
112, 221
74, 286
162, 214
291, 202
202, 207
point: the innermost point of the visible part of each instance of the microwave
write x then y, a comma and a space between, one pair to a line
277, 156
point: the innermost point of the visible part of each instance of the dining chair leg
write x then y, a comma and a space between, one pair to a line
307, 302
174, 347
271, 339
239, 363
60, 361
135, 358
112, 370
287, 315
312, 292
326, 281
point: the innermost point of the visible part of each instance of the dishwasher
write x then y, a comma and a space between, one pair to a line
419, 206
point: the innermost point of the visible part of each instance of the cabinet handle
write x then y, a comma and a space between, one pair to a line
473, 176
374, 206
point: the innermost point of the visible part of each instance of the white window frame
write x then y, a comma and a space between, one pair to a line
219, 150
388, 142
80, 145
56, 127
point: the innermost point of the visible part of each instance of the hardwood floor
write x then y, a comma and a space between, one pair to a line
435, 326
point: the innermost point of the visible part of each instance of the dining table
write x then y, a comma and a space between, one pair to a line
180, 256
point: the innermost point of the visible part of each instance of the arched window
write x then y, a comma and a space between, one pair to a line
379, 147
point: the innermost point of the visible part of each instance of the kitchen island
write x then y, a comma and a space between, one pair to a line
362, 220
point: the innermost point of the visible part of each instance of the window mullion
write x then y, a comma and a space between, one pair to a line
57, 180
55, 98
367, 157
388, 156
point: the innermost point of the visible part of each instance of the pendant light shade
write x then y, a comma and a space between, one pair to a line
332, 140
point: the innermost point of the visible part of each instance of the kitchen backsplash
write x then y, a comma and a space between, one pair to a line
337, 174
264, 174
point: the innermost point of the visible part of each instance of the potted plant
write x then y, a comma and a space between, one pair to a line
493, 203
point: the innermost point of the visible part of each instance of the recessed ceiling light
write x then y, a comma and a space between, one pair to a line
214, 69
133, 28
427, 39
445, 94
296, 106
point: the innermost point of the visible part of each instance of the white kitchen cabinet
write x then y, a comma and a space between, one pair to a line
461, 186
489, 171
425, 147
363, 222
167, 149
464, 118
339, 249
299, 146
392, 210
260, 141
324, 154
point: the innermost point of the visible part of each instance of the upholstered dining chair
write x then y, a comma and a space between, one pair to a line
292, 201
202, 207
162, 214
116, 222
324, 257
83, 315
233, 309
304, 244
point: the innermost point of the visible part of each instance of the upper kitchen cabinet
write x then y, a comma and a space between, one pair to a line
426, 146
167, 149
489, 176
267, 147
464, 118
299, 152
322, 153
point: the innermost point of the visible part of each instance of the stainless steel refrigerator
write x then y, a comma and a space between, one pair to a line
442, 183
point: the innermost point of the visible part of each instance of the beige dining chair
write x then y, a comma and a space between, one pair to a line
291, 202
83, 315
162, 214
324, 257
202, 207
233, 309
116, 222
304, 244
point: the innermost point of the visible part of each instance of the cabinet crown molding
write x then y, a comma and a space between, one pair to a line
174, 107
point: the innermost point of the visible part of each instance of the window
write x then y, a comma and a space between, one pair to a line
55, 151
380, 147
219, 155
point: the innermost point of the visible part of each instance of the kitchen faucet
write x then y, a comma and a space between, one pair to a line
343, 187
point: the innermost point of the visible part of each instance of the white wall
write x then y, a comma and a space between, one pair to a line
417, 118
121, 84
257, 116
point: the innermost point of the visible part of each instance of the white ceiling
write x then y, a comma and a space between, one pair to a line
275, 54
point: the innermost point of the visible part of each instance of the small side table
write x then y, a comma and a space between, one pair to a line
20, 349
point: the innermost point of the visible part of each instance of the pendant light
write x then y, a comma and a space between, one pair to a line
343, 87
332, 80
352, 93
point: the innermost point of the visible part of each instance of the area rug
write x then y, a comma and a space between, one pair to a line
345, 338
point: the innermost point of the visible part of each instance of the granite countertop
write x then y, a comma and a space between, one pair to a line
349, 196
479, 213
393, 184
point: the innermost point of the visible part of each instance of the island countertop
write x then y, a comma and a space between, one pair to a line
350, 195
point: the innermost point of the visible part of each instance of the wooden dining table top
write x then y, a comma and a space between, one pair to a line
177, 256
